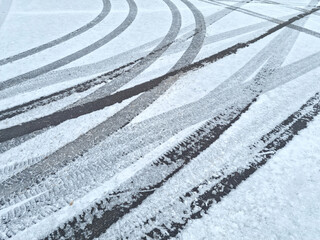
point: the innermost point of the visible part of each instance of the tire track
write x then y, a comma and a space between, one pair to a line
74, 56
180, 115
59, 117
278, 61
110, 211
258, 15
64, 155
102, 15
202, 197
113, 75
102, 132
142, 65
106, 128
186, 59
179, 152
289, 6
171, 163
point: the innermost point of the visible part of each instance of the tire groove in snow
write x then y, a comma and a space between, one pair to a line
124, 117
76, 55
59, 117
111, 75
102, 15
65, 154
201, 200
109, 210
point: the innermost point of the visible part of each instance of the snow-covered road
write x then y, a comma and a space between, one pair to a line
137, 119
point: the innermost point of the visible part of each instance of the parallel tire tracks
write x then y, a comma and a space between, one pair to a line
59, 117
200, 201
74, 56
102, 15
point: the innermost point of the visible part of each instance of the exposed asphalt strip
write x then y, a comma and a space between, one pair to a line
197, 202
110, 76
111, 209
4, 10
274, 20
102, 15
74, 56
117, 121
167, 79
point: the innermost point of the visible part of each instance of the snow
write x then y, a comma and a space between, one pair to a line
279, 201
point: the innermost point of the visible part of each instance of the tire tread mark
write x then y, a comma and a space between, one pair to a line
281, 134
59, 117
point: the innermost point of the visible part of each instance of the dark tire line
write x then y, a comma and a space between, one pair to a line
59, 117
65, 154
22, 108
74, 56
102, 15
117, 204
160, 176
281, 135
112, 75
100, 132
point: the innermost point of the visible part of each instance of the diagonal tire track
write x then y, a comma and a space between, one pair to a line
177, 158
202, 197
271, 19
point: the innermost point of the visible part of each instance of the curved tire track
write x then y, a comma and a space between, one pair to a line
168, 79
59, 117
102, 15
165, 162
74, 56
103, 130
178, 46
